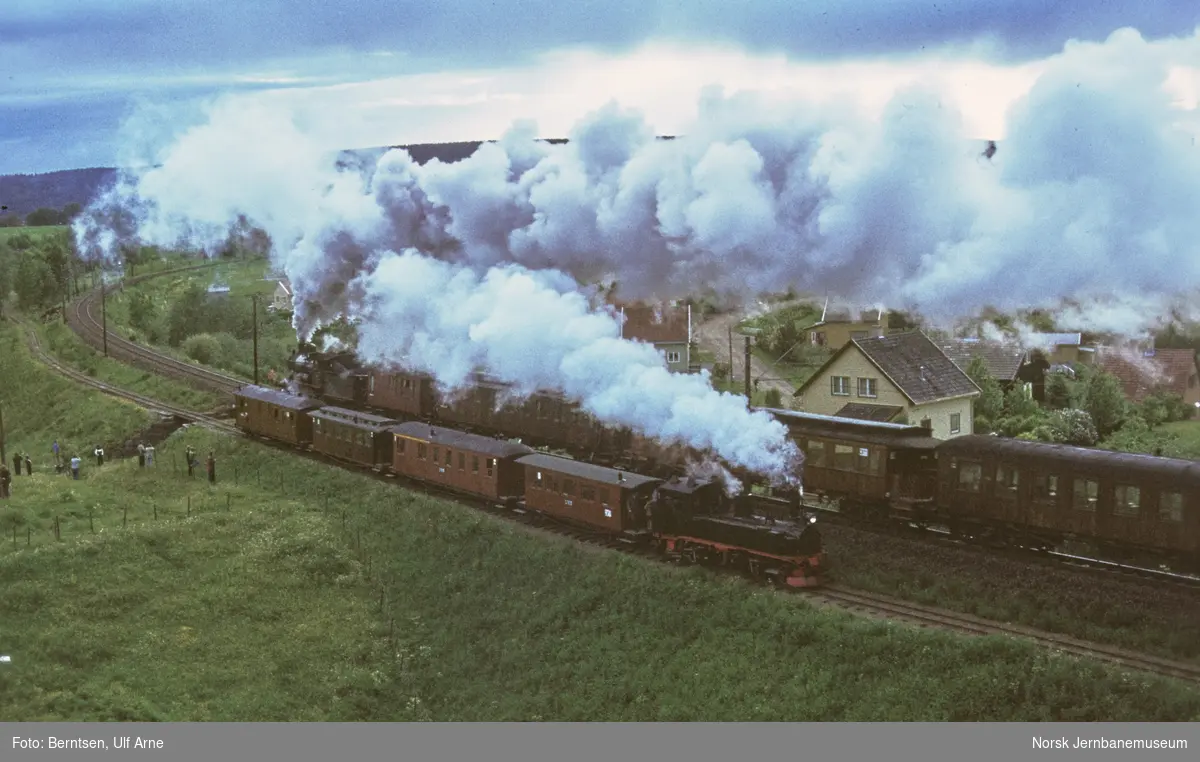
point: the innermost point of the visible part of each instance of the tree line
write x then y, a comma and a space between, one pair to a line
41, 217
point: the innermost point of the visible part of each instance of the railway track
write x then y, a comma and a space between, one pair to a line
84, 318
925, 616
203, 419
860, 602
1082, 564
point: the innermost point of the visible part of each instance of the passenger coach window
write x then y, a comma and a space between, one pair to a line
1170, 507
1045, 486
421, 451
462, 462
475, 465
400, 445
490, 465
843, 457
816, 454
969, 476
587, 492
569, 487
1007, 478
1127, 500
1085, 493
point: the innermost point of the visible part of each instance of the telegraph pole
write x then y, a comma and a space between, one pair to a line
254, 301
748, 397
104, 312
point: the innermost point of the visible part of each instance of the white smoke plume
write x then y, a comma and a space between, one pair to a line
533, 329
1090, 197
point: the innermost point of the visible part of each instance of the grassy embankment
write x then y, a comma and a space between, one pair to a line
227, 319
298, 592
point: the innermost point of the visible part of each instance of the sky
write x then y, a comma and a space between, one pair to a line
370, 72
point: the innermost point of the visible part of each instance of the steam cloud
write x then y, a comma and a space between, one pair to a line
1091, 198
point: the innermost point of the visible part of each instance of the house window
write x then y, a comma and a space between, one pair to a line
868, 387
955, 423
1170, 507
1045, 487
1085, 494
818, 338
840, 386
1126, 500
969, 477
672, 356
926, 423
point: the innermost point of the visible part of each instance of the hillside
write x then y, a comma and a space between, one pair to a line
22, 194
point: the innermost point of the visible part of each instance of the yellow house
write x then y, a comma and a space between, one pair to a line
840, 324
885, 378
1062, 348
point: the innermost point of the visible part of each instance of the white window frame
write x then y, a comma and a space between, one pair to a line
955, 423
872, 386
674, 355
844, 386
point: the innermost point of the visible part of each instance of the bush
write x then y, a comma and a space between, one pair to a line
773, 398
204, 348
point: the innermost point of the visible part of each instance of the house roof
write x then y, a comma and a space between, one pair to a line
842, 313
1003, 361
588, 471
1055, 339
1142, 373
655, 324
914, 365
862, 411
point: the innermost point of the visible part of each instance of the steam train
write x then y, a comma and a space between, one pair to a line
687, 517
983, 489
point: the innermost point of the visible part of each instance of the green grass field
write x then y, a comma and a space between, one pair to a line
39, 406
275, 596
1188, 433
6, 233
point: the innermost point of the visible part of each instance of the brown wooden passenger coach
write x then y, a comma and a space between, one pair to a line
585, 493
874, 468
352, 436
409, 395
468, 463
1044, 492
275, 414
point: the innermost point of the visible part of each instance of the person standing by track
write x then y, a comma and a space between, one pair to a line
76, 462
5, 481
28, 465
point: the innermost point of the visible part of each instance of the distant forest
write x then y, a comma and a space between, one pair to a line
59, 192
26, 194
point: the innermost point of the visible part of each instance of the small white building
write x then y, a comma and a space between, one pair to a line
282, 298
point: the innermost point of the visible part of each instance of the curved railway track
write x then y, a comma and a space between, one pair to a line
860, 602
84, 318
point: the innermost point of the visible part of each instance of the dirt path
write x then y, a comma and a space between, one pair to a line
712, 335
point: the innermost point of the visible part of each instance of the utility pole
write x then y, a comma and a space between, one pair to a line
104, 312
254, 301
748, 397
731, 354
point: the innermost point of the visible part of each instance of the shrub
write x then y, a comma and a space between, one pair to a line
204, 348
